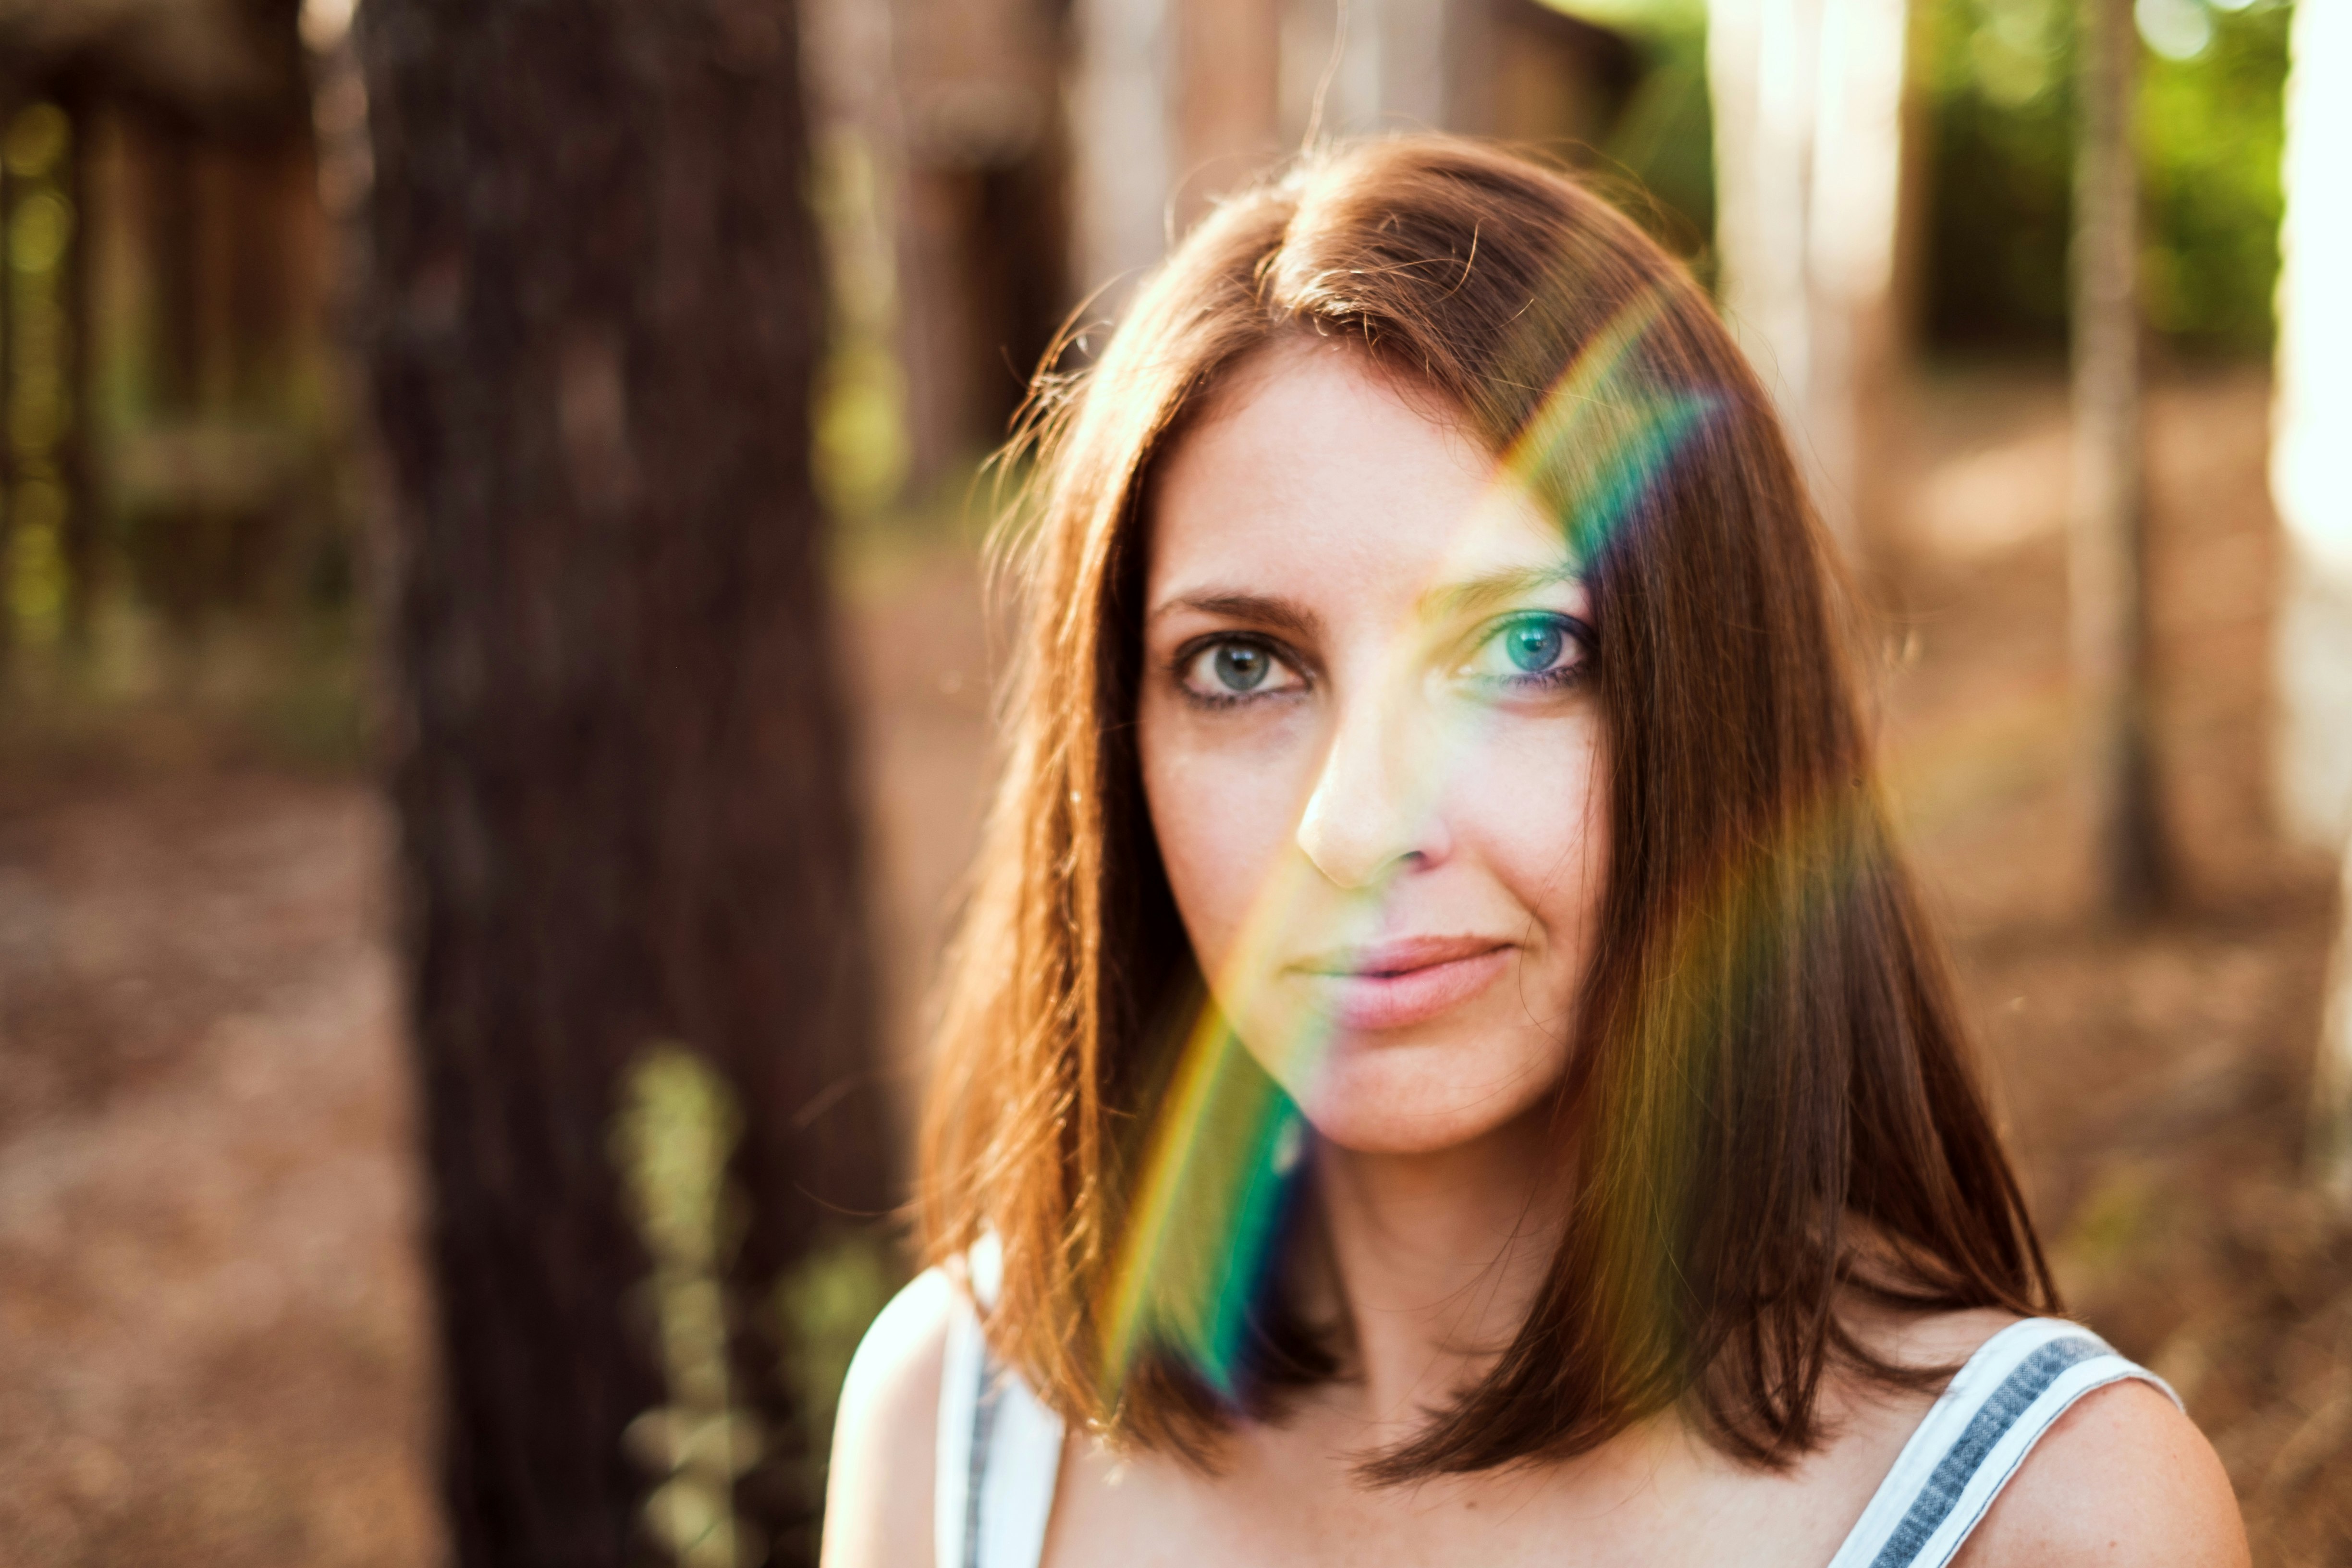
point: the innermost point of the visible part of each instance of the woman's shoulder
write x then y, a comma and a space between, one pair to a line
885, 1436
2121, 1476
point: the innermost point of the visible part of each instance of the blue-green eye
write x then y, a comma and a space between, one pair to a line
1525, 651
1239, 667
1534, 645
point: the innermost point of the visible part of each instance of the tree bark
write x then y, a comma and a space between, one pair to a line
2311, 481
622, 762
2107, 564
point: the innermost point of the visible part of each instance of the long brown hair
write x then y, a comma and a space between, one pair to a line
1768, 1092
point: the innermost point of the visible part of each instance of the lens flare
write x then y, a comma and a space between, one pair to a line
1221, 1166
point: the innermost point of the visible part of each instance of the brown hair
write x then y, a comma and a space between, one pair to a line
1768, 1092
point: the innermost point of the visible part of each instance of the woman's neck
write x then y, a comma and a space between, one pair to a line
1438, 1257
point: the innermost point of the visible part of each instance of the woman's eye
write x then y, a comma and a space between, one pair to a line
1534, 645
1227, 671
1239, 669
1531, 650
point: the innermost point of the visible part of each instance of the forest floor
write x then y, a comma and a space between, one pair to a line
214, 1339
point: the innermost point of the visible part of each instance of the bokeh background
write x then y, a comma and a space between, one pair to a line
217, 1338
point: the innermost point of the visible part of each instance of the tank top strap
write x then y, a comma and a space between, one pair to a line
1000, 1449
1974, 1437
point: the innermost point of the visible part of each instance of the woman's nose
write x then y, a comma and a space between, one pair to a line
1372, 809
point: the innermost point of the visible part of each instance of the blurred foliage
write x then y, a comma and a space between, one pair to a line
860, 440
823, 1310
308, 702
2212, 132
875, 554
1997, 79
38, 232
1996, 76
1666, 142
676, 1128
678, 1124
1658, 160
285, 693
179, 520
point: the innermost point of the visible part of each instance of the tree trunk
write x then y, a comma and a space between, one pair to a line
2311, 481
1123, 130
2106, 554
1808, 102
622, 769
1228, 96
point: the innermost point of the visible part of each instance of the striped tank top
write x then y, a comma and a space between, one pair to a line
1000, 1449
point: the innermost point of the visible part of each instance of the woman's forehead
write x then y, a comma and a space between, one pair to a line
1317, 467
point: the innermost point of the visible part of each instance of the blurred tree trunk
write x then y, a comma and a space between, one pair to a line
1808, 106
2107, 551
1122, 125
1228, 93
621, 774
2311, 481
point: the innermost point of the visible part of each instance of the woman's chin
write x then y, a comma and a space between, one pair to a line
1383, 1101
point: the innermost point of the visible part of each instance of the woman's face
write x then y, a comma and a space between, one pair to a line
1373, 759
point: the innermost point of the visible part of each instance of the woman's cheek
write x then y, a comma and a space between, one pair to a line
1218, 812
1536, 811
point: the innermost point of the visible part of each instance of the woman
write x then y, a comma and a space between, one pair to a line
1442, 1063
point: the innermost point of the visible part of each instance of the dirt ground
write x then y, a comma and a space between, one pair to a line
212, 1333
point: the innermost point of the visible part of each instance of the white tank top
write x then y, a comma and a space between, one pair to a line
1000, 1449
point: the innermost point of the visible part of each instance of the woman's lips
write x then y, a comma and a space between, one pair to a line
1406, 982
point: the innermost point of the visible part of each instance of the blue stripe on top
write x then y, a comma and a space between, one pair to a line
983, 1428
1941, 1493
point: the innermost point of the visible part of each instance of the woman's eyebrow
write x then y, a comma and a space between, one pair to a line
1483, 592
1273, 612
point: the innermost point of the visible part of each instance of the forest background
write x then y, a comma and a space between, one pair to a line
490, 515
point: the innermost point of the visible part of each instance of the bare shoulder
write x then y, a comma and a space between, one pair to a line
2123, 1477
877, 1504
